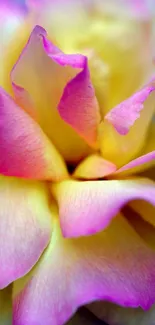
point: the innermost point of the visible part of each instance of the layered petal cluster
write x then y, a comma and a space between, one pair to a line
77, 196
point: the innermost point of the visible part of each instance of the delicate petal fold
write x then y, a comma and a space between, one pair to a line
107, 266
60, 87
88, 207
25, 226
25, 151
94, 167
124, 131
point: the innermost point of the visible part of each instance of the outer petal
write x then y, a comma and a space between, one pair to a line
25, 226
94, 167
25, 151
61, 89
88, 207
6, 306
109, 266
116, 315
128, 121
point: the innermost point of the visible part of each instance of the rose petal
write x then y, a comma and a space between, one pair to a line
25, 226
123, 133
25, 150
124, 115
94, 167
59, 84
88, 207
78, 106
105, 266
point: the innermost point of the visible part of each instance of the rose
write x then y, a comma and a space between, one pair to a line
65, 240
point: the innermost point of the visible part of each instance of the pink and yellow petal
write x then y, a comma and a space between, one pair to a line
60, 87
106, 266
88, 207
94, 167
25, 226
25, 150
126, 122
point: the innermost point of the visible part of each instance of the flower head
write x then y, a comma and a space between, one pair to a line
76, 132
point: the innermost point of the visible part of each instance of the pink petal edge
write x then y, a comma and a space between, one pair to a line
124, 115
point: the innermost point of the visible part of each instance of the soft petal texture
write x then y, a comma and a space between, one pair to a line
6, 306
94, 167
24, 100
78, 106
88, 207
126, 122
48, 74
116, 315
25, 150
25, 226
119, 268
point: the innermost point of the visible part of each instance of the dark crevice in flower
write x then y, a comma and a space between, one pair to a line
71, 167
85, 317
90, 316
